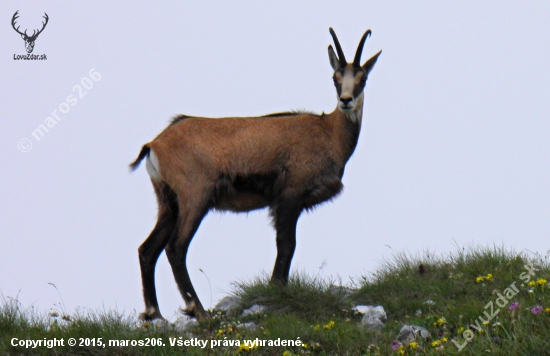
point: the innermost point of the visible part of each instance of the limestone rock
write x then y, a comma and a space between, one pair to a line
255, 309
410, 333
228, 303
374, 318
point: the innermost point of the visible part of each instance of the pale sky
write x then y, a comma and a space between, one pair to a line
454, 148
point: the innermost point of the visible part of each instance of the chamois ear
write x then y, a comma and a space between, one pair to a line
334, 62
370, 63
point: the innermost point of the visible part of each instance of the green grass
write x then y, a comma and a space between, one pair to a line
445, 294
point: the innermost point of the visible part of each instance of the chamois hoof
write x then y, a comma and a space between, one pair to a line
150, 315
200, 315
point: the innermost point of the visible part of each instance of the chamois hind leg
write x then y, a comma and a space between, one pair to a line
152, 247
191, 213
285, 217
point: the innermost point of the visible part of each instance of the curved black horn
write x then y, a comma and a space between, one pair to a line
357, 59
341, 56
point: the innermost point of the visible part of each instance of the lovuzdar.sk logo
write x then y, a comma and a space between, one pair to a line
29, 40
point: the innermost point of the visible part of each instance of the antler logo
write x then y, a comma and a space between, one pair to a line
29, 40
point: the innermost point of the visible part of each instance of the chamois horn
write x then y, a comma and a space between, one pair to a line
341, 56
357, 59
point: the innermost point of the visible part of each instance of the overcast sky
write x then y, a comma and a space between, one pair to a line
454, 148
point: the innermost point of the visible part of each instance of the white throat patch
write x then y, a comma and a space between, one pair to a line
356, 115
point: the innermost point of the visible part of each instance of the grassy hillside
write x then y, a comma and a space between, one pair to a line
473, 302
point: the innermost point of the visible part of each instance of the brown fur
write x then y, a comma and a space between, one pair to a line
287, 162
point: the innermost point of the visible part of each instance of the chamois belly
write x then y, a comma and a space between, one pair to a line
241, 202
244, 193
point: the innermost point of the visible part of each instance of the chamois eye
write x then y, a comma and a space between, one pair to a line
363, 80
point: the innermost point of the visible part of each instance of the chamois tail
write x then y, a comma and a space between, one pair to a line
144, 152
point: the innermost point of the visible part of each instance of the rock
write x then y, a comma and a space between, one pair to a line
255, 309
361, 309
228, 303
252, 326
410, 333
184, 322
374, 318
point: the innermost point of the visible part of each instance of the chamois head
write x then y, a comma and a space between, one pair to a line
350, 78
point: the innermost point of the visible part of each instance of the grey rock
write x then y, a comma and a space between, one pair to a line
228, 303
184, 322
252, 326
374, 318
410, 333
255, 309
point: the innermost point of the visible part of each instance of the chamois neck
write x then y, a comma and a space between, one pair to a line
346, 128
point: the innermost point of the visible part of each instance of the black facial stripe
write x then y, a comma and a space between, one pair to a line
358, 89
336, 84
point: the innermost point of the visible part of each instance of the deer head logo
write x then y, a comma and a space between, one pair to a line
29, 40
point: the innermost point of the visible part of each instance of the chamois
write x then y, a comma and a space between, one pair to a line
287, 162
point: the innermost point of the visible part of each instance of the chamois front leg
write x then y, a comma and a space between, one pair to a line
150, 250
176, 251
285, 217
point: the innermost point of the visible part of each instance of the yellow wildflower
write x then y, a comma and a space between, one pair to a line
444, 339
220, 332
541, 281
532, 284
486, 322
436, 343
244, 347
401, 350
442, 321
329, 326
547, 310
480, 279
317, 327
288, 353
460, 330
304, 345
489, 277
413, 345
